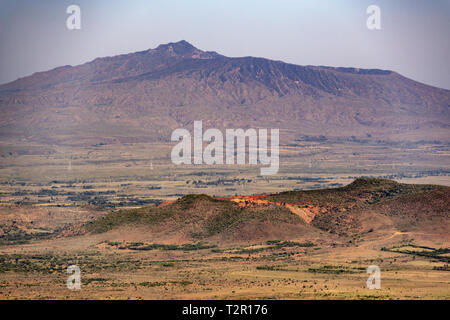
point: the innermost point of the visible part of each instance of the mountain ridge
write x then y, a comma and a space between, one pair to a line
183, 50
370, 207
149, 93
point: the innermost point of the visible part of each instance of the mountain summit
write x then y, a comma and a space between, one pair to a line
145, 95
182, 49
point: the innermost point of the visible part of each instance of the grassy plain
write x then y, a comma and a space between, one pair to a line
46, 190
38, 271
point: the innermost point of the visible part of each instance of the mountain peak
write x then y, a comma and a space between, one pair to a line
178, 47
182, 49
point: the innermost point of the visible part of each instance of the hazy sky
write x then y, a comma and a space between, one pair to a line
414, 39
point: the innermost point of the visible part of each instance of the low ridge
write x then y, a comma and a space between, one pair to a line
366, 206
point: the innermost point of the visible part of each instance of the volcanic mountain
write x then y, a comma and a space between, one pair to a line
143, 96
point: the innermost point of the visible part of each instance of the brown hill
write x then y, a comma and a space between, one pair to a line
143, 96
200, 217
367, 208
377, 205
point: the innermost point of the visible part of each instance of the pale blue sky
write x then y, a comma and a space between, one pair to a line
414, 39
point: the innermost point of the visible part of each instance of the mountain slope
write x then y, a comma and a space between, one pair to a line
200, 217
143, 96
367, 208
377, 205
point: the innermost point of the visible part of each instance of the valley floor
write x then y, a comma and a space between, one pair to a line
270, 270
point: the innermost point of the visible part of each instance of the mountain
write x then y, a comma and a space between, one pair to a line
143, 96
367, 209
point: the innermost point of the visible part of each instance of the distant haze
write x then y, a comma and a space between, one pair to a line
413, 41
